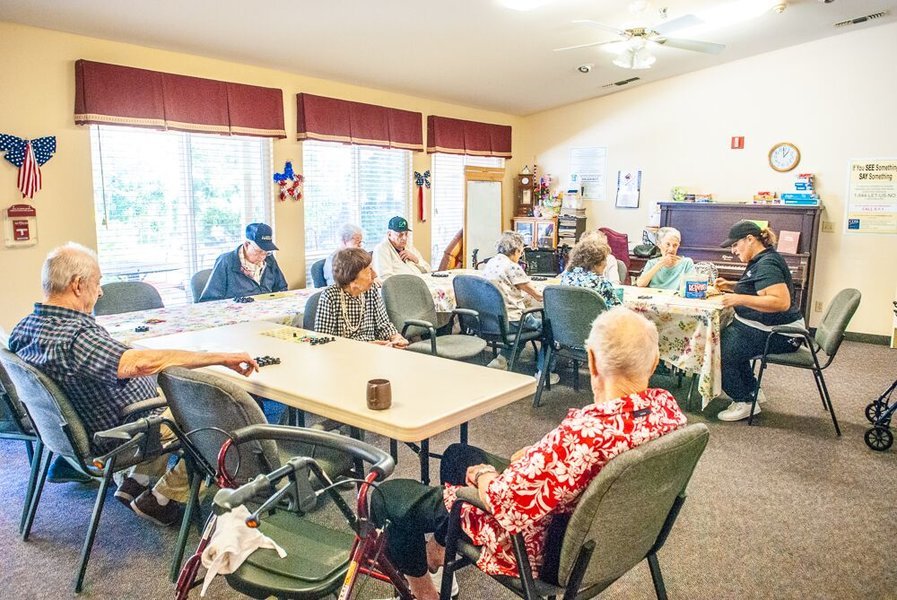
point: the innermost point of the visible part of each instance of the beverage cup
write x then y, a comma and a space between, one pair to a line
379, 394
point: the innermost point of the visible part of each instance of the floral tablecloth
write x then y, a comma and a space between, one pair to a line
688, 329
280, 307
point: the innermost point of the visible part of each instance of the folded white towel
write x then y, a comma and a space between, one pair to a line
231, 544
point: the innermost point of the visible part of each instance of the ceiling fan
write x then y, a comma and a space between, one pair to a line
637, 41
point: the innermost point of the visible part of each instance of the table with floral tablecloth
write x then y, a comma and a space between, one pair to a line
688, 329
279, 307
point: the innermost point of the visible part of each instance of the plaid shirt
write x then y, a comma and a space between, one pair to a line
82, 358
366, 315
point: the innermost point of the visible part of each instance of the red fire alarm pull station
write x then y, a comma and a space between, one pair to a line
21, 225
738, 142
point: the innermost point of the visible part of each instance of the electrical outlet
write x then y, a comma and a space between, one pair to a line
828, 227
817, 306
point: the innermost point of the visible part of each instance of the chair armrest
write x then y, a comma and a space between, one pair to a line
471, 495
143, 406
790, 329
142, 436
424, 324
537, 309
467, 312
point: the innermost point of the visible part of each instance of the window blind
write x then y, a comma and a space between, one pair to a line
363, 185
448, 198
168, 203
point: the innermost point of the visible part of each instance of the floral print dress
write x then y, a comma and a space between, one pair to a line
589, 279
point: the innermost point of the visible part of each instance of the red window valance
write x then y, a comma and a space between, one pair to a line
334, 120
113, 94
456, 136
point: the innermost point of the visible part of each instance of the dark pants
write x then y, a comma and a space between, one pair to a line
532, 322
739, 344
414, 509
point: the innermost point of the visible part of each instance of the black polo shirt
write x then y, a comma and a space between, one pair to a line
765, 269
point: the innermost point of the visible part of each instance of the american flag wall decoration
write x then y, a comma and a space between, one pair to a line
28, 156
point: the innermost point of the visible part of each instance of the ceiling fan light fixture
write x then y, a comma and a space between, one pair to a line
635, 59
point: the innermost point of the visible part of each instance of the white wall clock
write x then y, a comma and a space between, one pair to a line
784, 156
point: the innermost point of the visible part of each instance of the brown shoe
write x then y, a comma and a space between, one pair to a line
148, 507
128, 491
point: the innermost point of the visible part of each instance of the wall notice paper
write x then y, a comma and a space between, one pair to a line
629, 187
872, 196
590, 164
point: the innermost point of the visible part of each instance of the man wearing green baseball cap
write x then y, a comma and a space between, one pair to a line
395, 255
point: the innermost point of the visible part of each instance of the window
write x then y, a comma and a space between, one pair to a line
448, 197
168, 203
364, 185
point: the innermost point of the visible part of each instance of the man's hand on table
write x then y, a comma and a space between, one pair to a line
240, 362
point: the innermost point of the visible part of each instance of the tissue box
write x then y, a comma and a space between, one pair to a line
694, 287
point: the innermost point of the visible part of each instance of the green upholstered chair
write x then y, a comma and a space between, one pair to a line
818, 350
198, 283
411, 309
569, 314
127, 296
622, 518
61, 432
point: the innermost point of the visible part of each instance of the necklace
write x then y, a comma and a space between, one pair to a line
350, 329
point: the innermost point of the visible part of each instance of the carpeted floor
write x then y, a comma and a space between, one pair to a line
780, 510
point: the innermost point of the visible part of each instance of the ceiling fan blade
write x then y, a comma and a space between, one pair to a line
589, 45
677, 24
694, 45
598, 25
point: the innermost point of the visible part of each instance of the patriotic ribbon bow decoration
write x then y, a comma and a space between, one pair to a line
28, 156
421, 180
290, 183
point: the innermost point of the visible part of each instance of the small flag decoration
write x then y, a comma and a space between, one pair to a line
28, 156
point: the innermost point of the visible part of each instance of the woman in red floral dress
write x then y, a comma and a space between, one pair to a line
536, 491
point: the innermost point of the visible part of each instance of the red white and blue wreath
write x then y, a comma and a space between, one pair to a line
290, 183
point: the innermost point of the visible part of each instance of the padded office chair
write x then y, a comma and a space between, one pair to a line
198, 283
488, 317
60, 431
818, 351
15, 425
623, 517
311, 311
569, 314
411, 309
623, 272
619, 244
205, 406
317, 273
127, 296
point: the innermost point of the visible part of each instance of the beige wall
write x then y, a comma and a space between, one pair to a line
37, 74
832, 98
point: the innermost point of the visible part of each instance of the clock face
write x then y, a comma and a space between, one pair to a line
524, 180
784, 157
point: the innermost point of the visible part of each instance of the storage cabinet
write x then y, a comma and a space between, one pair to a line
537, 232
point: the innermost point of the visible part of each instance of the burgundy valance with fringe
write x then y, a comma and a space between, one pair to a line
335, 120
118, 95
456, 136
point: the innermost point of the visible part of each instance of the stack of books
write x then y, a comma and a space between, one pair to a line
804, 192
570, 227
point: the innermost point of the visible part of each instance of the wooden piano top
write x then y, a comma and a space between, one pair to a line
728, 265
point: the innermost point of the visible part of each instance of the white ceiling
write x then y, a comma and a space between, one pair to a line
472, 52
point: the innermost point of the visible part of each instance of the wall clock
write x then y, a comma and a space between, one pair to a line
784, 157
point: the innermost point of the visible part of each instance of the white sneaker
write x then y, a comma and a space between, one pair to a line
761, 398
737, 411
553, 378
437, 581
499, 362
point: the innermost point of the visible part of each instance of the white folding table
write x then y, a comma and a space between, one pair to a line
430, 395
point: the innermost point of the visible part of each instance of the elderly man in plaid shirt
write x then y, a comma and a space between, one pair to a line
100, 375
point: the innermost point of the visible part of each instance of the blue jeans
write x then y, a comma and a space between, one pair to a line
739, 344
532, 322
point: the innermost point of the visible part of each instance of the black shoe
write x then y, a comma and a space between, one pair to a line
148, 507
62, 471
128, 491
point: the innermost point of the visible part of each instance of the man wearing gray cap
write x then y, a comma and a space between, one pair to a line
249, 270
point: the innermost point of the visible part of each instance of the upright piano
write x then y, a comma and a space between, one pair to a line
705, 225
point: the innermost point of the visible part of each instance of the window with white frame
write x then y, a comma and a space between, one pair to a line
167, 203
363, 185
448, 197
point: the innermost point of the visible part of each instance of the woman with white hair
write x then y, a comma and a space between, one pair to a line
537, 490
666, 271
350, 236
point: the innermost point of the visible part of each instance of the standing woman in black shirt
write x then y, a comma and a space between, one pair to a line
762, 298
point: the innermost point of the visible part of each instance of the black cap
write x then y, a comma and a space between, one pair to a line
261, 234
740, 230
399, 224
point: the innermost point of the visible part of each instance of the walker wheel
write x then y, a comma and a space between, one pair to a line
879, 438
874, 410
